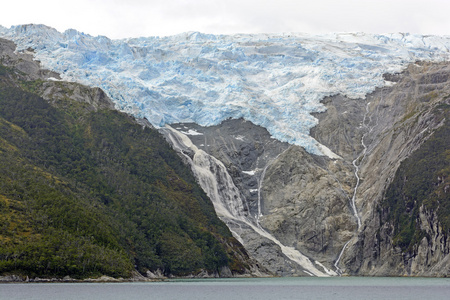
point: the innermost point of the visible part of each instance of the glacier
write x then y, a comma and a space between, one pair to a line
276, 81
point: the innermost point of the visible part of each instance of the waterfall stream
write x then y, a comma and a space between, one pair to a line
218, 185
260, 183
356, 165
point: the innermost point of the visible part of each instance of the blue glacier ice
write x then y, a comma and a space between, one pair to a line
275, 81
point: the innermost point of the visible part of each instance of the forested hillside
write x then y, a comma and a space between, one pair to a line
87, 191
420, 183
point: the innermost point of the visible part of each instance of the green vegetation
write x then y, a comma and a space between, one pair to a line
422, 179
85, 193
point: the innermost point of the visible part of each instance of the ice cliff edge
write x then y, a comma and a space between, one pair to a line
275, 81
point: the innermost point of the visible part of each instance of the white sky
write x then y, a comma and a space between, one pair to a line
133, 18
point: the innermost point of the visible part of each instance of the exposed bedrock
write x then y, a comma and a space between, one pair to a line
313, 203
399, 119
306, 204
280, 184
244, 148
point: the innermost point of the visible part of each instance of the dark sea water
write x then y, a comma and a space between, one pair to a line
255, 288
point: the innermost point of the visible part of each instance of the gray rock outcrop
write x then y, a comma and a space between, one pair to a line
398, 120
329, 209
52, 89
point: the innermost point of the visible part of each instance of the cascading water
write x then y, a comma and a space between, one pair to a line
212, 176
356, 165
218, 185
336, 263
260, 183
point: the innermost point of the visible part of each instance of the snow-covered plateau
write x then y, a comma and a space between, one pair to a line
275, 81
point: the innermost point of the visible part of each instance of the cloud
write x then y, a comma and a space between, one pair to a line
131, 18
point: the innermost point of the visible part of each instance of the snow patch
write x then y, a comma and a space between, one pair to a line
328, 271
327, 152
191, 132
389, 83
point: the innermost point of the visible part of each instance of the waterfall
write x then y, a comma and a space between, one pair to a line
336, 263
226, 198
360, 158
260, 183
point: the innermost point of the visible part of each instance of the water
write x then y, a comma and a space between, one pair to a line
217, 183
254, 288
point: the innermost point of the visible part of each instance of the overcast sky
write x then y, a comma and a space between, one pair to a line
133, 18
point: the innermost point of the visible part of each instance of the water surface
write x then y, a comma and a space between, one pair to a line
253, 288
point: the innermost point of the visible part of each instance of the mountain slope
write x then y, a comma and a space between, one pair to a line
400, 153
86, 190
304, 158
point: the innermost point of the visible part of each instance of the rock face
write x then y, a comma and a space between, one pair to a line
244, 148
243, 151
401, 118
330, 209
306, 206
23, 61
52, 89
431, 257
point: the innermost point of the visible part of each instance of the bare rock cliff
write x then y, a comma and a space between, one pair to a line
335, 211
397, 121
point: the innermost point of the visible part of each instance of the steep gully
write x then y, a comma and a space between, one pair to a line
260, 184
218, 185
215, 179
356, 164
